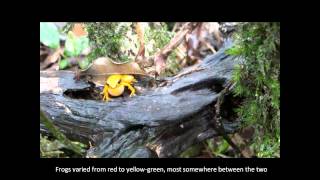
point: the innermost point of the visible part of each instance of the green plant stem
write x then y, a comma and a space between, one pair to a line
57, 134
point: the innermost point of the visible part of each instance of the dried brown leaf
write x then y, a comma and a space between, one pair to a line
51, 59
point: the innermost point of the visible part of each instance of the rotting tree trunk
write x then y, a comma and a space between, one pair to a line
161, 122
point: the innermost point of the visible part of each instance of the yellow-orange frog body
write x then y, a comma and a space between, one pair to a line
115, 77
116, 84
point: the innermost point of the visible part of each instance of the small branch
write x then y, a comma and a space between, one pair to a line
159, 59
177, 39
217, 120
140, 32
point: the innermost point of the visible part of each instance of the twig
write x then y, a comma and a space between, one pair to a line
218, 125
160, 57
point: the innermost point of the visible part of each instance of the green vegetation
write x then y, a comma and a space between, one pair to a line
73, 47
113, 39
219, 148
257, 79
49, 35
52, 148
157, 38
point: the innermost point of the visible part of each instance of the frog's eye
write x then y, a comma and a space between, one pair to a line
113, 80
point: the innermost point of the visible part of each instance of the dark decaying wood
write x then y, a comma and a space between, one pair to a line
160, 122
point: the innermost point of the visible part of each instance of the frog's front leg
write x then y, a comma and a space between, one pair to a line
105, 93
133, 91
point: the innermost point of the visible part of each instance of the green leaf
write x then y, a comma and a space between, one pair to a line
84, 42
49, 35
75, 45
70, 49
84, 63
223, 147
63, 64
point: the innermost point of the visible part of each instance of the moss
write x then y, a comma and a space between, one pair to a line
116, 40
257, 80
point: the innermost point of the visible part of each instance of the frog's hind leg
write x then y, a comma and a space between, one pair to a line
133, 91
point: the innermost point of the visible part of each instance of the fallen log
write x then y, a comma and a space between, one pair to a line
160, 122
